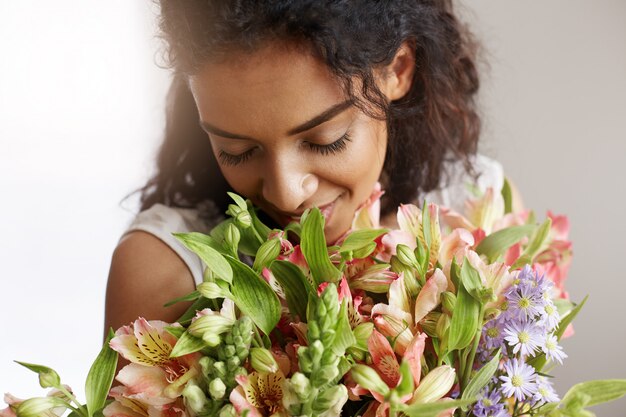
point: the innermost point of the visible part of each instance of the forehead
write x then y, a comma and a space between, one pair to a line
266, 92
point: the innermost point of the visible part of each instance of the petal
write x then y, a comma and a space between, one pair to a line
145, 383
238, 400
428, 297
413, 355
126, 345
150, 341
384, 359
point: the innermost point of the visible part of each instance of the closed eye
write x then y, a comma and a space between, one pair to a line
337, 146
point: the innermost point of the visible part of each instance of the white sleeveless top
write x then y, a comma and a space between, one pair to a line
455, 188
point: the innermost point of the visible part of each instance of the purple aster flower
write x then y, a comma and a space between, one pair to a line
545, 392
493, 335
489, 405
550, 316
525, 302
551, 348
519, 380
524, 337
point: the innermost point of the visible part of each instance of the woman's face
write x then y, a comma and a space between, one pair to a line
285, 136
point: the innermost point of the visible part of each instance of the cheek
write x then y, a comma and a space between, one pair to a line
360, 166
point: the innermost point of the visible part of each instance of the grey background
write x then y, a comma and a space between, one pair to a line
554, 109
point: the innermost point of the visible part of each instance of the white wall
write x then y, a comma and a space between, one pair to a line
555, 112
81, 104
81, 112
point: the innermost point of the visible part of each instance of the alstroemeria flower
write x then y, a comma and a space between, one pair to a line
261, 394
495, 276
365, 274
152, 378
367, 216
14, 402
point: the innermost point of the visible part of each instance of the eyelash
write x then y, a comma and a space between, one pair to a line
336, 147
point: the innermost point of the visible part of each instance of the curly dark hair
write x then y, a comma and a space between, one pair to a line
436, 120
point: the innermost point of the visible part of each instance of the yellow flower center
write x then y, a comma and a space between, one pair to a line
524, 303
523, 337
493, 332
517, 381
549, 310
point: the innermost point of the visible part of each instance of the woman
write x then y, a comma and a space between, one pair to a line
296, 104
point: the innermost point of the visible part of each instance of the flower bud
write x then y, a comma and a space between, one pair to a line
443, 323
227, 411
406, 255
262, 360
211, 290
36, 407
217, 389
195, 398
434, 385
210, 324
232, 236
301, 385
369, 379
429, 323
243, 219
448, 300
362, 333
268, 251
331, 400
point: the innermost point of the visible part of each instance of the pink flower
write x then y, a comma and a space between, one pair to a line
261, 394
152, 380
367, 216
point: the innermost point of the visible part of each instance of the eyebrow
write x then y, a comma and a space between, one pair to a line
325, 116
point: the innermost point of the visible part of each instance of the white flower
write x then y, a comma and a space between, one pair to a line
524, 337
545, 392
519, 381
552, 349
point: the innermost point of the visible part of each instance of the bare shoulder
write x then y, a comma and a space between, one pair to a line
145, 273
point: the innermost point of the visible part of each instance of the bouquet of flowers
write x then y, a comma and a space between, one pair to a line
448, 315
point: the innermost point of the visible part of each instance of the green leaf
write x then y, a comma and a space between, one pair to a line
100, 377
344, 338
186, 344
295, 285
464, 320
176, 331
598, 392
238, 200
365, 251
313, 245
471, 280
189, 297
568, 318
563, 306
498, 242
214, 260
536, 242
481, 378
360, 239
254, 296
507, 196
433, 409
258, 225
48, 377
406, 385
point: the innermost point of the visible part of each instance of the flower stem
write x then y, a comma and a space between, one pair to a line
469, 364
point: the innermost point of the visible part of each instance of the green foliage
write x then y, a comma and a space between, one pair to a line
254, 297
100, 377
313, 245
498, 242
295, 285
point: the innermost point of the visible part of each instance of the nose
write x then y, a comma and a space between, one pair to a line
287, 185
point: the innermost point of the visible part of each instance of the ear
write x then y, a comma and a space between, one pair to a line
396, 78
